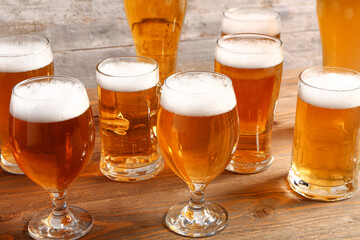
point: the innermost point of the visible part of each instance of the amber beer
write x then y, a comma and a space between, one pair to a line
156, 28
52, 143
21, 56
326, 149
197, 134
251, 20
340, 32
128, 103
254, 64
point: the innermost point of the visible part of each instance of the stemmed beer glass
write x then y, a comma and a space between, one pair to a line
197, 131
52, 137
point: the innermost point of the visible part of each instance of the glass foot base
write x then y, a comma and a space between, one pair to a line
320, 193
10, 167
212, 219
131, 174
81, 223
249, 163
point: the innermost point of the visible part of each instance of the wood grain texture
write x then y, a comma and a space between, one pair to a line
83, 32
261, 206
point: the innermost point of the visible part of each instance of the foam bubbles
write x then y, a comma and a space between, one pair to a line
198, 94
251, 20
125, 76
24, 54
49, 101
248, 51
330, 89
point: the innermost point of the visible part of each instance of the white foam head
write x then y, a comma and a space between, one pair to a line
330, 88
59, 99
127, 74
251, 20
198, 94
22, 53
249, 51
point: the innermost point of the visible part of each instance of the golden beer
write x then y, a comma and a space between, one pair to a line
201, 158
21, 57
325, 150
251, 20
156, 27
52, 137
254, 64
340, 32
197, 131
128, 104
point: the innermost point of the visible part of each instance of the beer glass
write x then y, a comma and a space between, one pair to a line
128, 104
251, 20
325, 154
22, 56
197, 130
254, 64
156, 27
340, 32
52, 137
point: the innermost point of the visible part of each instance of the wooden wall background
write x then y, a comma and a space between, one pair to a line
84, 32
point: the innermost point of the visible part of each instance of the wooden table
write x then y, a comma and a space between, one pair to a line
261, 206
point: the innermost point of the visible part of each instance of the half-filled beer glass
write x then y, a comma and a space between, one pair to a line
22, 56
254, 64
128, 102
52, 137
251, 20
197, 131
156, 27
340, 32
325, 154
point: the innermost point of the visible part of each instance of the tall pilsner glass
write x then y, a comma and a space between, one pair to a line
22, 56
340, 32
197, 132
156, 27
254, 64
325, 154
251, 20
52, 137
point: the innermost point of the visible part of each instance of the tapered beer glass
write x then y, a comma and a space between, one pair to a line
22, 56
128, 103
251, 20
325, 154
156, 27
52, 137
340, 32
254, 64
197, 131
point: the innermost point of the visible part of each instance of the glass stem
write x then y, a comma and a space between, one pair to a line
60, 217
197, 201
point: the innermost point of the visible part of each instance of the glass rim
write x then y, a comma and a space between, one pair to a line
40, 78
345, 70
98, 66
39, 36
257, 35
223, 76
228, 10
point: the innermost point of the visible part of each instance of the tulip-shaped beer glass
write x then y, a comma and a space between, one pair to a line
197, 132
52, 138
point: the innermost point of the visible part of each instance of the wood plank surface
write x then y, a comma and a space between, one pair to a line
261, 206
